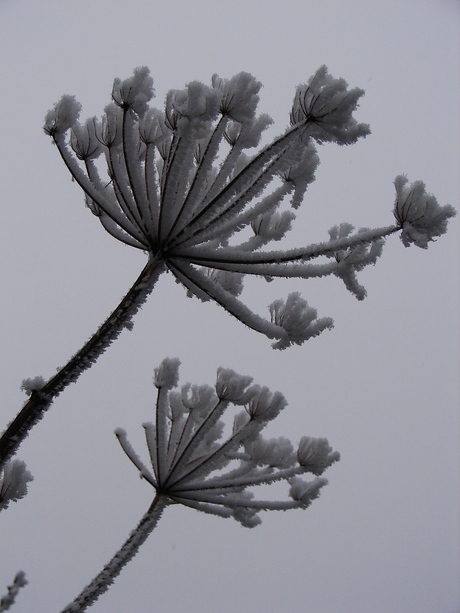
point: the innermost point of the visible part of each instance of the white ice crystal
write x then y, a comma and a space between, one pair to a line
32, 385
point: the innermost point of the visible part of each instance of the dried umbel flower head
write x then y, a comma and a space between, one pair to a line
195, 463
180, 186
418, 213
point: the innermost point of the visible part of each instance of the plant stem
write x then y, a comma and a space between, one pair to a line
128, 550
41, 400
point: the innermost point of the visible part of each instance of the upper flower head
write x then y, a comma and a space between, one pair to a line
180, 186
194, 463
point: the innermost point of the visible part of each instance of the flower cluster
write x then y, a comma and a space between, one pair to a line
180, 186
418, 213
195, 462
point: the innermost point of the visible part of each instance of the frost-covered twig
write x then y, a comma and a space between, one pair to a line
43, 393
13, 589
125, 554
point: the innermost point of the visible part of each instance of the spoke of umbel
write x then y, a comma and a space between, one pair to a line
42, 398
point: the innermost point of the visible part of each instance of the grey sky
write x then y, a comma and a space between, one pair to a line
382, 386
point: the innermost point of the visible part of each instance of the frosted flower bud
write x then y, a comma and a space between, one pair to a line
231, 386
418, 213
247, 135
247, 516
306, 491
13, 482
194, 106
198, 398
109, 130
274, 452
316, 454
327, 104
62, 116
298, 320
167, 374
240, 420
273, 226
83, 140
264, 404
302, 172
232, 282
239, 95
152, 127
134, 92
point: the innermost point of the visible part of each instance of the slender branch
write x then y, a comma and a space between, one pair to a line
40, 400
125, 554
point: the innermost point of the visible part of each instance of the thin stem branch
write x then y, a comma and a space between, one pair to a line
125, 554
41, 400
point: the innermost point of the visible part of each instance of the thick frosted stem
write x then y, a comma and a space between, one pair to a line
41, 400
125, 554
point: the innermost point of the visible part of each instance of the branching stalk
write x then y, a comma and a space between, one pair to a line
40, 400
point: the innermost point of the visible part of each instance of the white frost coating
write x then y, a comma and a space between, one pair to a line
13, 482
33, 385
190, 454
420, 216
8, 599
180, 186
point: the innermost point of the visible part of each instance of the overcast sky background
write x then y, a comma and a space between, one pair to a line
382, 386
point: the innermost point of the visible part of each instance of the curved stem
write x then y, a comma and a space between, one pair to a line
41, 400
128, 550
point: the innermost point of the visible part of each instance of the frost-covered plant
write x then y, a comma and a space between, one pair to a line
196, 462
179, 186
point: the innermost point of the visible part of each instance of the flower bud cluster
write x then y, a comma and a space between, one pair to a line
418, 213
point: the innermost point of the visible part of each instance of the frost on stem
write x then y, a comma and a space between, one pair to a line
13, 482
194, 461
180, 185
13, 589
29, 386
